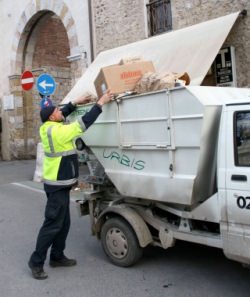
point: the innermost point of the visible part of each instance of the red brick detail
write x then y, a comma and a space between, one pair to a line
52, 46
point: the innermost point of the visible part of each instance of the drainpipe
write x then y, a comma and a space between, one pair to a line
91, 33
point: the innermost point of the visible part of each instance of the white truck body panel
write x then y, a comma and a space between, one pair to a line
162, 146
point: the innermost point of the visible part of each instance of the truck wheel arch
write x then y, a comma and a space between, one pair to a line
132, 217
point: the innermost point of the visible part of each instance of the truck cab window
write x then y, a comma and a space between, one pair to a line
242, 138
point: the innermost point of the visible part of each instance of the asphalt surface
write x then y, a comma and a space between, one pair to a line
182, 271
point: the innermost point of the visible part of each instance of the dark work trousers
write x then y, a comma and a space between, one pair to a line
55, 228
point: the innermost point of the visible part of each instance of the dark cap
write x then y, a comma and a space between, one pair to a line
46, 112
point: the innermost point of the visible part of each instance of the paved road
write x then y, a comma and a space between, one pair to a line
15, 171
183, 271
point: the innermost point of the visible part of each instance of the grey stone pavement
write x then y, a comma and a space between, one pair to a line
186, 270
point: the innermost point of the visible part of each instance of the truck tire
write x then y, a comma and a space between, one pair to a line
120, 243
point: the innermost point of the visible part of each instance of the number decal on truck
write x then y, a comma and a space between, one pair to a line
243, 202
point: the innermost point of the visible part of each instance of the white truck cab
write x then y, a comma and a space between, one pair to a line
234, 181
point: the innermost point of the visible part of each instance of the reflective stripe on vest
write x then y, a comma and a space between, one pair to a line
52, 149
67, 182
80, 121
49, 134
60, 154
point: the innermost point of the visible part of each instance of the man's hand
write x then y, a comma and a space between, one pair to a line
107, 97
82, 100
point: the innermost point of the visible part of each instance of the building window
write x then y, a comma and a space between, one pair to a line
159, 16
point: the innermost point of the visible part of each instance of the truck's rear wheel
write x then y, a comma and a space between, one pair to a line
120, 242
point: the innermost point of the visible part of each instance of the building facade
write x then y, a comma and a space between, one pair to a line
62, 37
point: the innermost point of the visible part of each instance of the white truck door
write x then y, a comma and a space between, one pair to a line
236, 241
238, 164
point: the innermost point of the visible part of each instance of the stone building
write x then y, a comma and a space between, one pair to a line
62, 37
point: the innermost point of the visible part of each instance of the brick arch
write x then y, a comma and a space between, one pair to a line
21, 138
34, 11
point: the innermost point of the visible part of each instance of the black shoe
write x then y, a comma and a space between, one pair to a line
63, 262
38, 272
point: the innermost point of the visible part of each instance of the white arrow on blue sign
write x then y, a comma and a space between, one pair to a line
45, 84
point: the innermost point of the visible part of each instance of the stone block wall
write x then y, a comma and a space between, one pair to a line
190, 12
117, 23
16, 120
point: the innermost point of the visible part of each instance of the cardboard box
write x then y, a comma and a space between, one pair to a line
121, 78
129, 60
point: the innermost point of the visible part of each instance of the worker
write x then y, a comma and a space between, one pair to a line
60, 172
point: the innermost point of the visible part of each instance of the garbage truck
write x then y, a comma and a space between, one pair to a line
170, 165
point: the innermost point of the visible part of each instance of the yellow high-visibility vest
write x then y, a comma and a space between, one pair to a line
60, 160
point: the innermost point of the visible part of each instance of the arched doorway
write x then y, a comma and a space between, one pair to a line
45, 43
46, 52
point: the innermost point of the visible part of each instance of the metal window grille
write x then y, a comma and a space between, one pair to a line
159, 16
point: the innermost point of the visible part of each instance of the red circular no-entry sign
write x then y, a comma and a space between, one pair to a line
27, 80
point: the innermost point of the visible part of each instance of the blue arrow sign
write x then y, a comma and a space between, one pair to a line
46, 84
